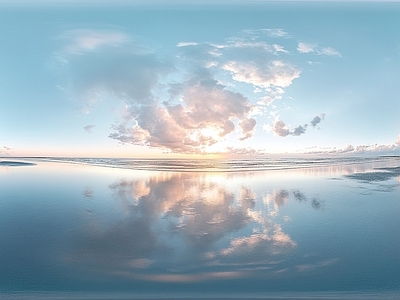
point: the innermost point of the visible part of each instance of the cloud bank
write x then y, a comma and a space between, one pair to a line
385, 149
5, 151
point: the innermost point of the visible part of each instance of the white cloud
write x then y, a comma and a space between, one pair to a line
313, 48
205, 114
243, 43
274, 242
305, 48
329, 51
272, 93
182, 103
240, 43
270, 32
5, 151
279, 48
185, 44
384, 149
275, 73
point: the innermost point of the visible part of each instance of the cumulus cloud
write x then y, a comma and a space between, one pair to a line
276, 73
273, 93
247, 126
299, 130
187, 104
208, 103
305, 48
251, 58
384, 149
155, 128
199, 55
205, 114
317, 119
281, 129
89, 128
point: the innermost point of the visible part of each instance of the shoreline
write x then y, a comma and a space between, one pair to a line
213, 165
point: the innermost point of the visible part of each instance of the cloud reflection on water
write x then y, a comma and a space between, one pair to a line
186, 227
190, 231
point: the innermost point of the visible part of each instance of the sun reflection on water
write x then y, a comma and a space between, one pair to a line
268, 230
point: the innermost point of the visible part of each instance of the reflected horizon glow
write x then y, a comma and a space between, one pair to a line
88, 228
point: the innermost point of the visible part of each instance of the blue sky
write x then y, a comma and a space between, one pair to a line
149, 80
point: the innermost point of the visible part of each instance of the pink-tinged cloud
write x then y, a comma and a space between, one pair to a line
313, 48
360, 149
196, 109
5, 151
248, 127
280, 128
273, 73
206, 113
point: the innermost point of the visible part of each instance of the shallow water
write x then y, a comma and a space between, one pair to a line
96, 230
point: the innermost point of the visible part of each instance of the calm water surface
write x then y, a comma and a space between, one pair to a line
99, 231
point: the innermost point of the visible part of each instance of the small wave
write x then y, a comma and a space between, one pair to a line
207, 165
15, 163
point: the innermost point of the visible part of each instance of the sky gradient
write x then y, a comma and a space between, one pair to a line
151, 80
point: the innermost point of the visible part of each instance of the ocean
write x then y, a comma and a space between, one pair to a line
90, 228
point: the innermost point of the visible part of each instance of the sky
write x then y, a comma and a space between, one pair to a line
199, 79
